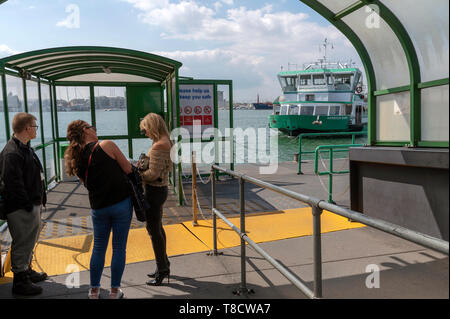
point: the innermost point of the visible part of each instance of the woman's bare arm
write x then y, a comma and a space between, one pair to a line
115, 153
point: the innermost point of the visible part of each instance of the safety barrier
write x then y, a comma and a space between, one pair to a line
331, 171
334, 134
317, 206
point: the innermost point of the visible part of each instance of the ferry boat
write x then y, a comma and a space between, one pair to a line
323, 97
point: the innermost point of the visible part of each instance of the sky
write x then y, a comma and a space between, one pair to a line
246, 41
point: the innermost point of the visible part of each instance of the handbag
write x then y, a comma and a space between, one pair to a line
2, 200
140, 203
2, 197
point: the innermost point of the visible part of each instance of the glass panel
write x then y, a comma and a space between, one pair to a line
2, 120
383, 46
50, 162
46, 112
33, 108
14, 87
110, 108
343, 81
72, 103
307, 110
337, 5
223, 101
318, 79
435, 114
393, 117
305, 80
321, 110
141, 145
123, 145
335, 110
430, 36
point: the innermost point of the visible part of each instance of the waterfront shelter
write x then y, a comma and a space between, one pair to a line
402, 174
91, 83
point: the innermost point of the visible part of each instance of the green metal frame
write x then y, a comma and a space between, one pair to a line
415, 85
331, 149
61, 63
332, 134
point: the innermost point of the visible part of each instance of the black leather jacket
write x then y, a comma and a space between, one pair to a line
21, 173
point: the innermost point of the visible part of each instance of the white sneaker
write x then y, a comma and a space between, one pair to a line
94, 295
116, 295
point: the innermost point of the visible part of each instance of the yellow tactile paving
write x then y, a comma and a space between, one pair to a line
263, 228
54, 256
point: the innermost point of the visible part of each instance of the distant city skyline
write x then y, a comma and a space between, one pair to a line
245, 41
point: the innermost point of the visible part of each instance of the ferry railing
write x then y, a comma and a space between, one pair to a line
300, 145
331, 171
317, 206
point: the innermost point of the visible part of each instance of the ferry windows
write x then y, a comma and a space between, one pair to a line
335, 110
309, 97
321, 110
305, 80
72, 103
329, 79
307, 110
110, 108
348, 109
290, 83
343, 81
318, 79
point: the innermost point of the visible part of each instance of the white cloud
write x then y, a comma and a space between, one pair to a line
246, 45
6, 51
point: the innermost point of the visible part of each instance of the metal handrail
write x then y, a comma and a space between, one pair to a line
300, 137
330, 172
317, 206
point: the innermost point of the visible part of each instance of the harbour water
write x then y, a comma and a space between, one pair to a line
114, 124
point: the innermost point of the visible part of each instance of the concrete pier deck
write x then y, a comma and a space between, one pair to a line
354, 257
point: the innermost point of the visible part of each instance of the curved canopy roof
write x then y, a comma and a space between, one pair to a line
66, 63
404, 46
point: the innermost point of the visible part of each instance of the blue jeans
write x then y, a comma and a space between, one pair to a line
118, 218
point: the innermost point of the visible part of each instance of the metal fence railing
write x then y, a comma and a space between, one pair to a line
317, 206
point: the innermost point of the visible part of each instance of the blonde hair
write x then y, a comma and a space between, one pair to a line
155, 126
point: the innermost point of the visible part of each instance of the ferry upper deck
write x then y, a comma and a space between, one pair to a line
243, 234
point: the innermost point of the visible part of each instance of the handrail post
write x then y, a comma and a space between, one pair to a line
213, 195
243, 288
317, 250
300, 154
243, 252
194, 189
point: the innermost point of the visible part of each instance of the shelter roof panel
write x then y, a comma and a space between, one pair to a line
49, 62
384, 48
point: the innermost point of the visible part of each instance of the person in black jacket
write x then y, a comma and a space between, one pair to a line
24, 193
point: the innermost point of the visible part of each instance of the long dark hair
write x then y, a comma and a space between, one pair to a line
72, 155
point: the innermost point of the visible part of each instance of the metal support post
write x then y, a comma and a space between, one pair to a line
243, 288
213, 192
194, 190
317, 251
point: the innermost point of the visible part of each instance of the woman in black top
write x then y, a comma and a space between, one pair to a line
102, 168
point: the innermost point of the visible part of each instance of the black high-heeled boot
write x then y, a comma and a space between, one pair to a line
159, 277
